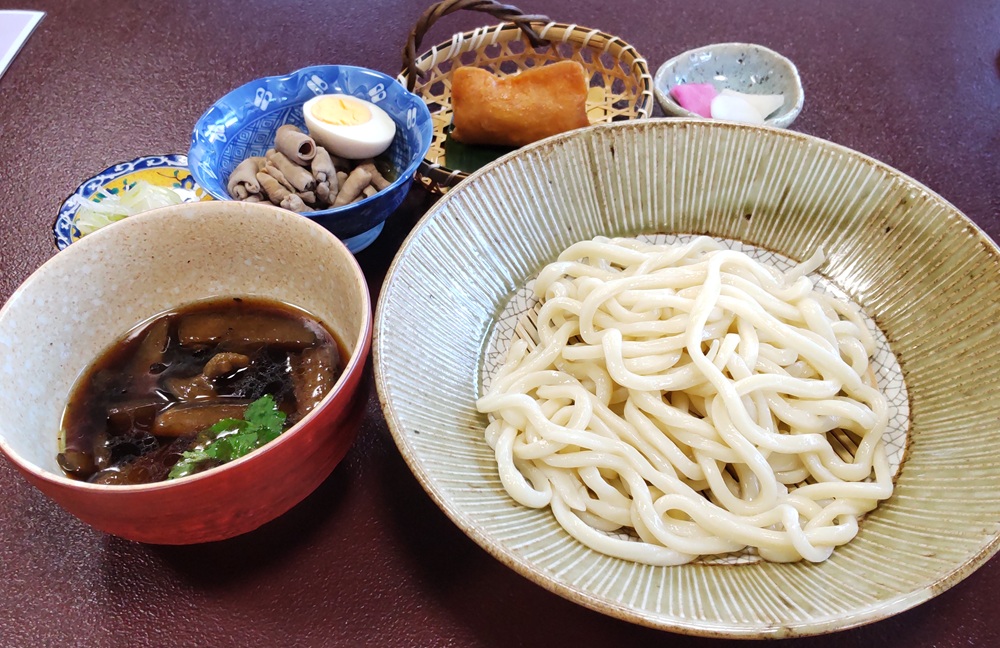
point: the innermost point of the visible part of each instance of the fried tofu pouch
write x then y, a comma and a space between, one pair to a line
519, 109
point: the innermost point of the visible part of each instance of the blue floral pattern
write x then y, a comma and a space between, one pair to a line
244, 122
173, 166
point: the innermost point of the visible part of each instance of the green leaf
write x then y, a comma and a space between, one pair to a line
233, 438
219, 449
225, 425
243, 443
188, 463
469, 157
264, 415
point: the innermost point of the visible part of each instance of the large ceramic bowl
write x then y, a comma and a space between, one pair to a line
87, 296
243, 124
922, 271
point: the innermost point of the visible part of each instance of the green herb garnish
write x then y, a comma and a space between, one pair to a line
232, 438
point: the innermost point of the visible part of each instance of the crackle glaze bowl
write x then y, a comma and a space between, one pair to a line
923, 273
93, 292
743, 67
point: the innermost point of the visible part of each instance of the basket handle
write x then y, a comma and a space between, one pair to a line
506, 13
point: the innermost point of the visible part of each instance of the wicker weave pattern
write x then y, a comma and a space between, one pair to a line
620, 83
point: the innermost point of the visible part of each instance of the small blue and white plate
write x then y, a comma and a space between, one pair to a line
169, 171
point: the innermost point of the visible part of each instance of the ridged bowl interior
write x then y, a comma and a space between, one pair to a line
923, 271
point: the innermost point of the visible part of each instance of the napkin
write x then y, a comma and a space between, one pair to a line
15, 27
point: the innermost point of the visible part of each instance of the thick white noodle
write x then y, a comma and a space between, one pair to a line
695, 399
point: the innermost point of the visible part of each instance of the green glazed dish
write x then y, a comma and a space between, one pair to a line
920, 269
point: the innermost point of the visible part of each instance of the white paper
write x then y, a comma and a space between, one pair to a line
15, 27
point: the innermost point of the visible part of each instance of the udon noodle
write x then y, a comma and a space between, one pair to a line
686, 400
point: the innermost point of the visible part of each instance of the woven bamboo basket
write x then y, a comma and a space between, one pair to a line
620, 83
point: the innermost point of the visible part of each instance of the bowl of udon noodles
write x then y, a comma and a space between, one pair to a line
187, 374
711, 378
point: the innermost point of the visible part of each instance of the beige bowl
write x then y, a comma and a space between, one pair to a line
923, 271
90, 294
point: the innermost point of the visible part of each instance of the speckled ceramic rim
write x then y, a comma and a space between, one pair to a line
115, 230
930, 535
781, 120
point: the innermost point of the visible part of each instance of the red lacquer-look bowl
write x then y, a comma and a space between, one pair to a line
87, 296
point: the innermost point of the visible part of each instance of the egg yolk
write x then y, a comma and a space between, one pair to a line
341, 111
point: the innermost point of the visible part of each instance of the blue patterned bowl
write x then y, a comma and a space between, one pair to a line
244, 122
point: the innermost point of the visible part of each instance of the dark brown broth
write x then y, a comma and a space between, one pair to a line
146, 399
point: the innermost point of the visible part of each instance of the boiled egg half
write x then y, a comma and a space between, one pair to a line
349, 127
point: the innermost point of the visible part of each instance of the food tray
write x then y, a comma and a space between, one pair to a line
620, 82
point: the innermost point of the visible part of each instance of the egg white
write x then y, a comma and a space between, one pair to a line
355, 142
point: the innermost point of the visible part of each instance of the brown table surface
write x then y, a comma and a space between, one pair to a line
368, 559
